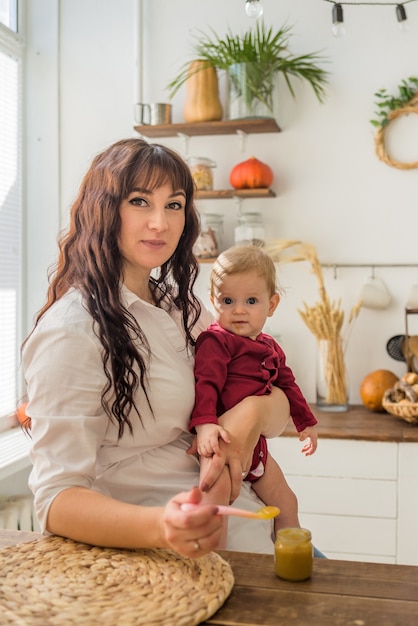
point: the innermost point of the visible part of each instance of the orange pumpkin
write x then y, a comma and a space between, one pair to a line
24, 420
251, 174
373, 386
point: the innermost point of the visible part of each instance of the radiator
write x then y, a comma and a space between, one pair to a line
18, 514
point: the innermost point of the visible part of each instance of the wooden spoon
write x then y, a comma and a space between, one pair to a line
266, 512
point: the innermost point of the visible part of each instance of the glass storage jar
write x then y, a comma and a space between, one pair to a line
201, 169
293, 554
209, 242
250, 230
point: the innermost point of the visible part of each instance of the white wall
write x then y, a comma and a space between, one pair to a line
332, 191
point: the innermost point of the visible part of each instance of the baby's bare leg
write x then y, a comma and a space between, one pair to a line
219, 493
272, 489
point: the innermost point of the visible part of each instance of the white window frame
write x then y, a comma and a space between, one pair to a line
12, 45
10, 7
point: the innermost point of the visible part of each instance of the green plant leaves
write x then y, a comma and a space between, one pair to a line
386, 103
261, 46
252, 81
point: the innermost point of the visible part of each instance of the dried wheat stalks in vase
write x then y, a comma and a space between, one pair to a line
324, 319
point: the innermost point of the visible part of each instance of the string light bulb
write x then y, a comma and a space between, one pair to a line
401, 17
337, 28
254, 8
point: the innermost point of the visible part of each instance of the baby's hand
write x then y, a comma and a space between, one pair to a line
309, 433
208, 436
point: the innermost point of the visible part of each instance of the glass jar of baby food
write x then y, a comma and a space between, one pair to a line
293, 554
209, 242
250, 230
201, 169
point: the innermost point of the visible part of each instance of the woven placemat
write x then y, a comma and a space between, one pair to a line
58, 582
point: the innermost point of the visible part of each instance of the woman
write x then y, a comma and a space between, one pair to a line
109, 369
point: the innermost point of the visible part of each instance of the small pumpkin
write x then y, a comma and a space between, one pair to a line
202, 102
373, 387
21, 415
251, 174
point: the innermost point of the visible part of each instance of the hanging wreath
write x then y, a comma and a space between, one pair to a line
390, 108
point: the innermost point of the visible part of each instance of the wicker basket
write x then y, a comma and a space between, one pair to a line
58, 582
407, 412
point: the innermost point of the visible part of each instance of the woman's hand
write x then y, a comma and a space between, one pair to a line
90, 517
245, 422
191, 533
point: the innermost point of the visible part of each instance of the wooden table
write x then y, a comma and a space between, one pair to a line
340, 593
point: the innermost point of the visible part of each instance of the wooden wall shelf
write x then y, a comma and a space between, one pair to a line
220, 194
231, 127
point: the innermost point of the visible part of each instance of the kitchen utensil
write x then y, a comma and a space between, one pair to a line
410, 348
413, 298
266, 512
394, 347
401, 350
413, 345
153, 114
374, 294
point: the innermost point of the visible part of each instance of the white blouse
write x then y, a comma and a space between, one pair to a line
74, 443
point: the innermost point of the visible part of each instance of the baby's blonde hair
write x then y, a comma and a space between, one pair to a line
242, 259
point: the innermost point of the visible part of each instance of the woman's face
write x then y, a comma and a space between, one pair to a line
152, 222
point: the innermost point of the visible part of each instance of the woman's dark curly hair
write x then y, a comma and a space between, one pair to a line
90, 260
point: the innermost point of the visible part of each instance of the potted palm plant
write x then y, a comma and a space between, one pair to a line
253, 61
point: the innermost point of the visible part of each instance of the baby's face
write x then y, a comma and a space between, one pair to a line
242, 304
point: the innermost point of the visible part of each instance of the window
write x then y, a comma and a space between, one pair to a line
8, 14
11, 55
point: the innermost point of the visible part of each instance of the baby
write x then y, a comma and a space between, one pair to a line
235, 359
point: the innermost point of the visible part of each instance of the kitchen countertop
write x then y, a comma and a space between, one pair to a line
360, 424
